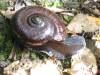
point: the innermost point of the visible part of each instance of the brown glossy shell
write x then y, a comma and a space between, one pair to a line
36, 25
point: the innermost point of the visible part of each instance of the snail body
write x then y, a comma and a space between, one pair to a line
37, 25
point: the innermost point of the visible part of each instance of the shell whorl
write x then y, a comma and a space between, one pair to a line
37, 25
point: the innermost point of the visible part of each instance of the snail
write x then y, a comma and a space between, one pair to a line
37, 26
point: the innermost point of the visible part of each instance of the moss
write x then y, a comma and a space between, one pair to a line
3, 4
66, 63
5, 40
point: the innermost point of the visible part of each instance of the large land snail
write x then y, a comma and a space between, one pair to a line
38, 26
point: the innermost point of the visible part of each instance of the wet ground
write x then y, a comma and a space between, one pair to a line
90, 45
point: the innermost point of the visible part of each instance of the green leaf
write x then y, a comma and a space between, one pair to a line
58, 4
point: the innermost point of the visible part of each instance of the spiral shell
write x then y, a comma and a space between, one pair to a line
36, 25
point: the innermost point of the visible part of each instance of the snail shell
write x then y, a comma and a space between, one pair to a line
36, 25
